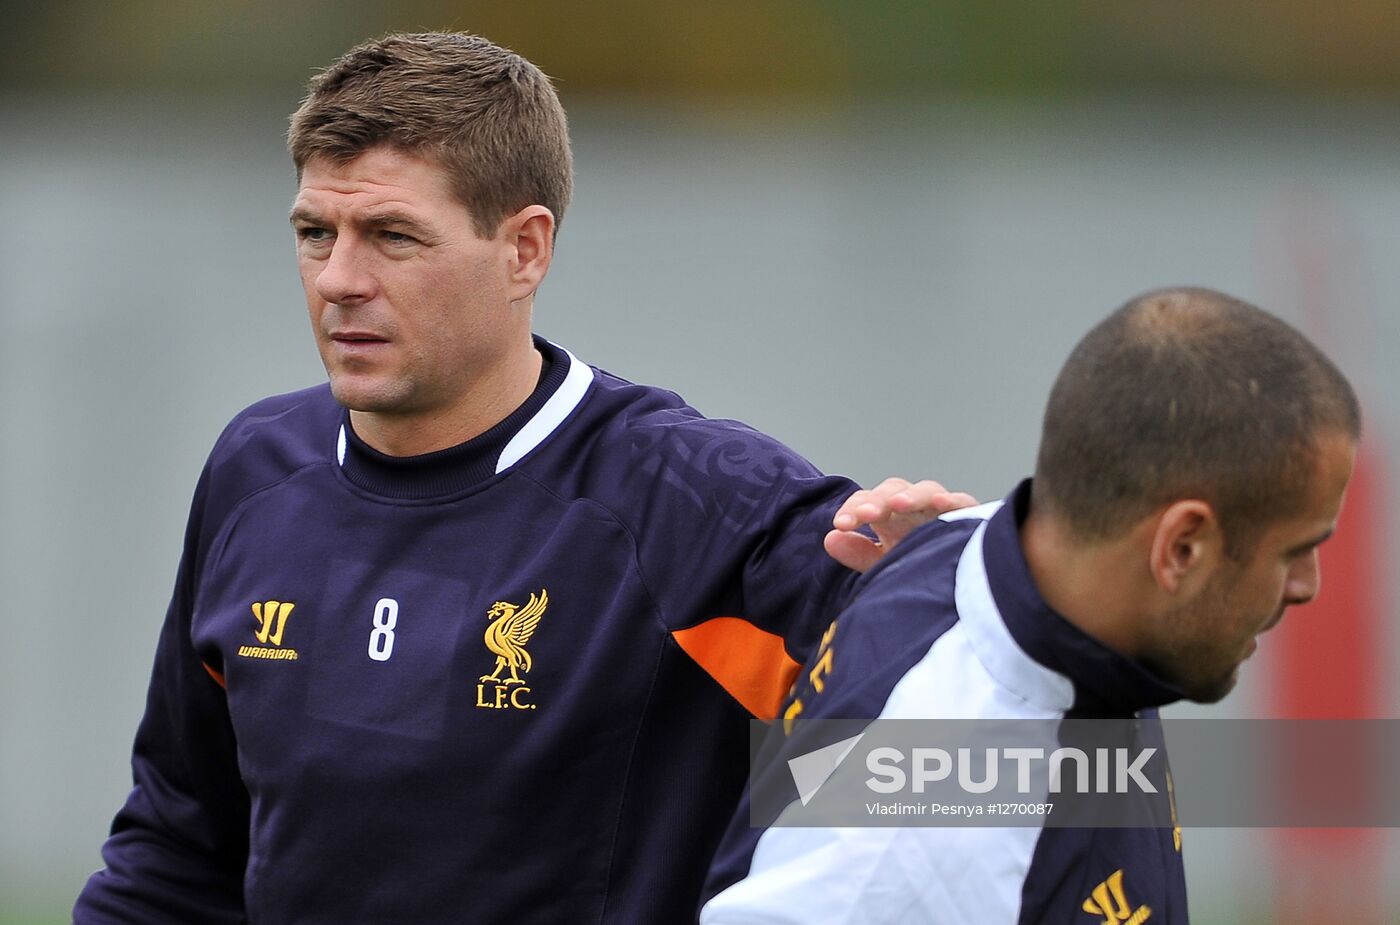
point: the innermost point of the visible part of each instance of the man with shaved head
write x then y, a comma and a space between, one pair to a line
1194, 455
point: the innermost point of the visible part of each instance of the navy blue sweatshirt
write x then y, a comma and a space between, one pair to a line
506, 682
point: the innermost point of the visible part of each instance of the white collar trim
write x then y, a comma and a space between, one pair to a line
551, 414
547, 420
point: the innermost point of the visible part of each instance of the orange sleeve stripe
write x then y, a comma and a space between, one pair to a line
748, 662
215, 675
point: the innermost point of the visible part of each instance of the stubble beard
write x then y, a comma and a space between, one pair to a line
1193, 660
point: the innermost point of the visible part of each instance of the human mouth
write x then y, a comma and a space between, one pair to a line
1254, 640
358, 343
1273, 621
357, 337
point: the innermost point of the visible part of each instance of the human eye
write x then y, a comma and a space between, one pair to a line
1303, 550
397, 238
313, 235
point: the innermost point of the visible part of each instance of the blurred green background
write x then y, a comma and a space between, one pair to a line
723, 48
873, 229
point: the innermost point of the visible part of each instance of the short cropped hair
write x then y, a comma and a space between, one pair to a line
1188, 393
489, 117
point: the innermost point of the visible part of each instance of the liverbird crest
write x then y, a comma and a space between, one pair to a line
510, 630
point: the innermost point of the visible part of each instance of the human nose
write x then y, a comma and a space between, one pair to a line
1304, 579
343, 278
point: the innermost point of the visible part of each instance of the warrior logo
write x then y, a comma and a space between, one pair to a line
510, 630
271, 618
1110, 900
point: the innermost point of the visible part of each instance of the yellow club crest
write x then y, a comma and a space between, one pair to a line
508, 633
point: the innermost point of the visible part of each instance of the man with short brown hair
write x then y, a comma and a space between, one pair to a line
472, 633
484, 114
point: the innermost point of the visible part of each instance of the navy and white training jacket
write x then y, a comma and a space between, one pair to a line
950, 626
506, 682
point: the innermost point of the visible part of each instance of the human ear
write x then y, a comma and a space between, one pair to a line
530, 234
1186, 545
